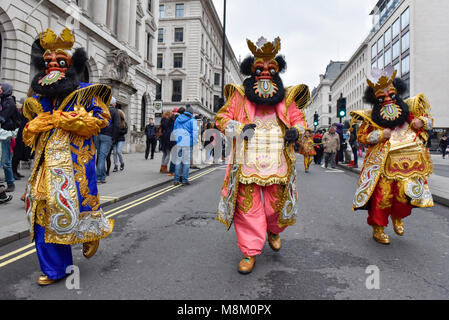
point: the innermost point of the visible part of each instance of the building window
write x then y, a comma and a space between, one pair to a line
161, 11
179, 10
330, 109
405, 19
177, 60
387, 37
396, 28
405, 65
405, 42
330, 98
374, 65
160, 35
202, 66
217, 79
216, 102
143, 114
387, 57
396, 50
160, 61
374, 51
150, 6
380, 62
397, 67
177, 91
380, 45
179, 34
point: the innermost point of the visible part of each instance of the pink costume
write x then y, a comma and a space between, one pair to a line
262, 165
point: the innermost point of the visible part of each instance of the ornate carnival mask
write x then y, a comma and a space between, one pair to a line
57, 56
265, 67
386, 94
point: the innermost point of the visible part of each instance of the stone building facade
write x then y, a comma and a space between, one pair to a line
189, 61
120, 39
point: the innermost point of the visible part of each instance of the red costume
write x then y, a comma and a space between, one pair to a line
394, 176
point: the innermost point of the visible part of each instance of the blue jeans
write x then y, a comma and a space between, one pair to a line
184, 158
118, 154
7, 162
103, 143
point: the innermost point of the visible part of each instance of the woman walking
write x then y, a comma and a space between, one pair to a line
118, 146
167, 123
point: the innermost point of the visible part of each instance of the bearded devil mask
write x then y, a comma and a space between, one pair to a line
59, 70
383, 92
264, 86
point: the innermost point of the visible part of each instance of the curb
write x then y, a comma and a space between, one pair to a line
24, 234
436, 198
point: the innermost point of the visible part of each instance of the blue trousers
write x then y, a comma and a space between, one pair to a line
184, 159
103, 143
53, 258
7, 161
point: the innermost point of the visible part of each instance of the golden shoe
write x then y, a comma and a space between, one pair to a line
43, 280
90, 248
398, 226
380, 236
274, 240
247, 264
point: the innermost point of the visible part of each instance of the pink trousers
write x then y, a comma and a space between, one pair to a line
254, 217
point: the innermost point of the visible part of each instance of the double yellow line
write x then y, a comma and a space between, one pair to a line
108, 214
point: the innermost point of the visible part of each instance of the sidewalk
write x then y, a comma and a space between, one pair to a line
439, 185
139, 176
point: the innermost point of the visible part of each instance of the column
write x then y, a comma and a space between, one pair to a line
123, 20
132, 23
99, 13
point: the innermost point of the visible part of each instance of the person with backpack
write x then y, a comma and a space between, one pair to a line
10, 122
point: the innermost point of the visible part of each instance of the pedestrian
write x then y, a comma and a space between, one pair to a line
118, 146
9, 122
20, 152
150, 133
443, 145
331, 142
317, 140
185, 132
167, 124
354, 146
340, 153
176, 113
307, 149
105, 139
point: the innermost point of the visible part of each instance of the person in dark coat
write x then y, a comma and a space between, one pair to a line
8, 110
354, 145
167, 123
21, 152
444, 142
150, 133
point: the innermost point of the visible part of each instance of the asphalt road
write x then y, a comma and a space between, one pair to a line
171, 247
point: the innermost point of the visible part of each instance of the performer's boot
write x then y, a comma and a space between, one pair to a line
274, 240
398, 226
246, 265
43, 280
380, 236
90, 248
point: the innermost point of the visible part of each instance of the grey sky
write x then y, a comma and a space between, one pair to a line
312, 32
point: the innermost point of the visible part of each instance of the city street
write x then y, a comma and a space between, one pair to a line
167, 245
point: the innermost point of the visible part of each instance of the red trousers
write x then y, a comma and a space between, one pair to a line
388, 199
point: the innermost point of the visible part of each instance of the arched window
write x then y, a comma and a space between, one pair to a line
143, 113
1, 47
